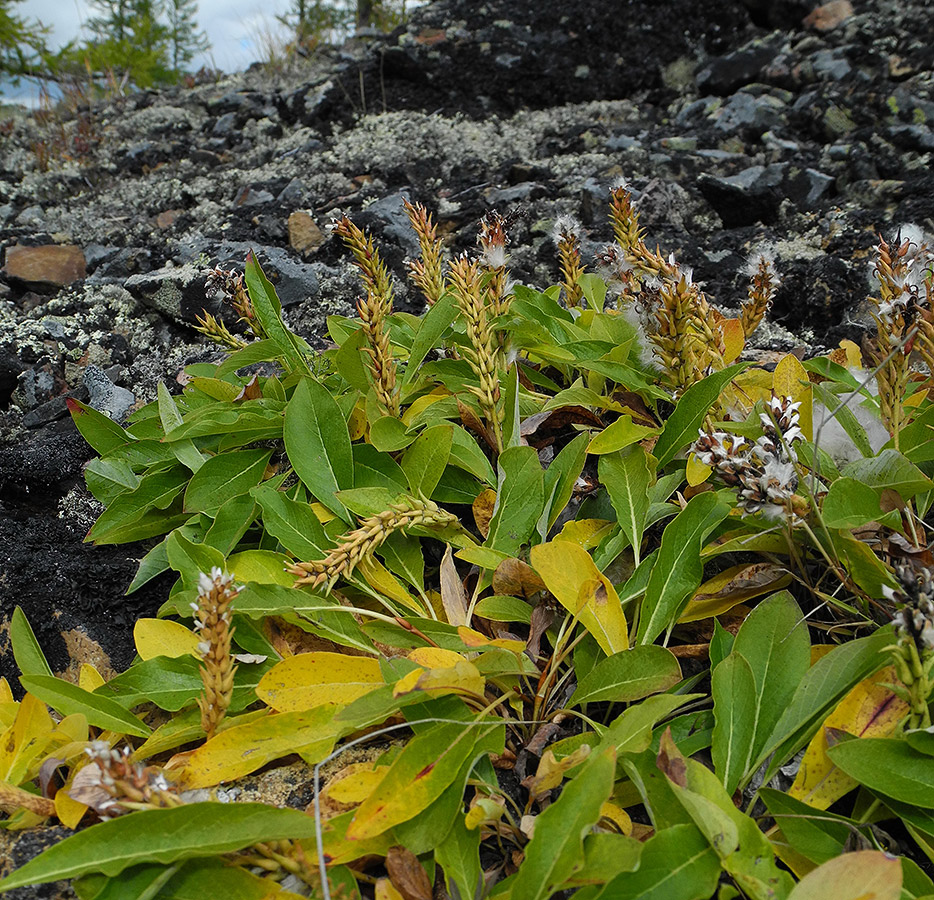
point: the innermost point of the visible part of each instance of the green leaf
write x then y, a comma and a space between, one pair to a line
269, 312
162, 836
677, 863
815, 834
292, 523
67, 698
373, 468
519, 500
425, 460
154, 563
233, 519
890, 767
504, 609
682, 425
822, 687
733, 687
224, 476
628, 676
459, 856
850, 503
190, 559
185, 451
259, 351
467, 455
102, 433
627, 476
174, 682
561, 476
618, 435
30, 659
130, 516
774, 640
556, 850
349, 361
389, 434
744, 851
890, 470
318, 444
678, 570
434, 323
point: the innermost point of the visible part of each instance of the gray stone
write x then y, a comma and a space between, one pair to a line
743, 111
225, 125
293, 194
175, 292
106, 397
829, 65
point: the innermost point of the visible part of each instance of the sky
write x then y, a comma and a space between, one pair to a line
232, 26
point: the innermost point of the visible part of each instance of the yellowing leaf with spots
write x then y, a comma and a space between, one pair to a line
429, 763
570, 573
618, 816
318, 679
25, 740
790, 379
869, 710
434, 657
355, 783
162, 637
242, 749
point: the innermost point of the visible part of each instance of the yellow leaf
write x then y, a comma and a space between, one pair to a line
407, 682
322, 513
484, 810
618, 816
356, 424
819, 651
355, 783
318, 679
790, 379
162, 637
696, 472
89, 678
25, 740
551, 771
434, 657
69, 811
473, 638
586, 532
236, 752
854, 356
869, 710
385, 890
582, 589
6, 695
384, 582
733, 339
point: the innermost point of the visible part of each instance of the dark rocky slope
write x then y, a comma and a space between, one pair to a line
735, 122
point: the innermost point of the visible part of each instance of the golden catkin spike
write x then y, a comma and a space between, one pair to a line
467, 285
763, 283
212, 620
358, 544
566, 236
230, 285
427, 272
374, 310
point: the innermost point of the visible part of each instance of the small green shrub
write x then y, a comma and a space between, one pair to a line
602, 579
